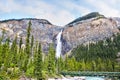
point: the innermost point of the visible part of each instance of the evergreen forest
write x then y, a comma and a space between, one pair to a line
29, 61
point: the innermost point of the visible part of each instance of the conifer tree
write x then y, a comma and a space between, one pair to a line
51, 60
83, 65
20, 43
66, 62
45, 63
39, 64
60, 64
6, 53
32, 41
27, 49
28, 39
14, 51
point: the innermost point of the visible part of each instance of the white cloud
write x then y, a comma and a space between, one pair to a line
59, 18
39, 9
60, 13
64, 15
104, 7
112, 2
73, 7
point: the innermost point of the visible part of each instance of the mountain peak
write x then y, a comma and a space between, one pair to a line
88, 16
29, 19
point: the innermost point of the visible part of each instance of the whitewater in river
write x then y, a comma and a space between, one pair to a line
79, 78
59, 44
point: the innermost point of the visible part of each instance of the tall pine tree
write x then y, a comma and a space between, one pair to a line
39, 64
28, 39
51, 60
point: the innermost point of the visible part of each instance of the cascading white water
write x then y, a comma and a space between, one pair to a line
59, 45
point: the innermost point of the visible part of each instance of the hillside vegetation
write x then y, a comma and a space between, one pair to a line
99, 56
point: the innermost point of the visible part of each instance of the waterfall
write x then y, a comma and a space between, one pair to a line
59, 45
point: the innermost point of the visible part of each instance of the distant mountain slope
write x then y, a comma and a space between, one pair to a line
42, 30
89, 28
88, 16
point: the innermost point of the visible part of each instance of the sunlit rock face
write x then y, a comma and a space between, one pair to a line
89, 28
42, 30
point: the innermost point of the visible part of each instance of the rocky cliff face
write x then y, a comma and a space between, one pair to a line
91, 31
42, 30
95, 28
117, 19
89, 28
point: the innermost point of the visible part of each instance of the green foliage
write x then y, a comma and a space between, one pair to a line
27, 49
60, 64
39, 64
32, 41
28, 39
51, 60
20, 43
14, 51
100, 56
30, 71
3, 77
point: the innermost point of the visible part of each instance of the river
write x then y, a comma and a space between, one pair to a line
79, 78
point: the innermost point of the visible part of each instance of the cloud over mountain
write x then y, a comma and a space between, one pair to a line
58, 12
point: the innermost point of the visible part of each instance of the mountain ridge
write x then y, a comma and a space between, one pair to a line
44, 20
93, 29
87, 16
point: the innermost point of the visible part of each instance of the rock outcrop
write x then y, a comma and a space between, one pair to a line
96, 28
42, 30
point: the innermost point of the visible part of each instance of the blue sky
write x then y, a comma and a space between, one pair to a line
58, 12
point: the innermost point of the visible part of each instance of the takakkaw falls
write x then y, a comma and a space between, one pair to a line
59, 44
88, 48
